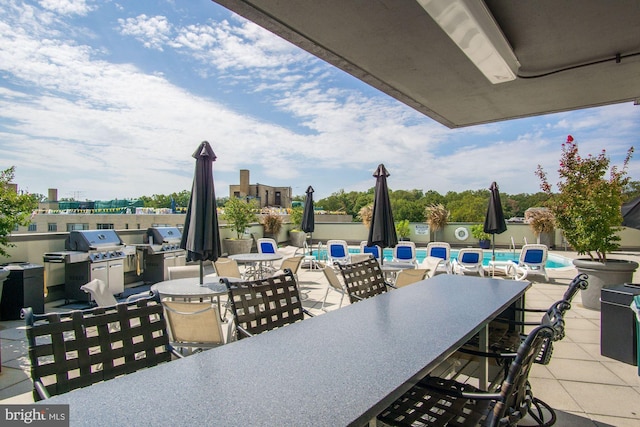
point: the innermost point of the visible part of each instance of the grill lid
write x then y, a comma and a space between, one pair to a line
162, 235
87, 240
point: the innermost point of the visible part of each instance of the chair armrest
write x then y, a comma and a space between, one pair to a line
456, 392
41, 389
516, 322
389, 285
175, 352
308, 313
490, 354
243, 331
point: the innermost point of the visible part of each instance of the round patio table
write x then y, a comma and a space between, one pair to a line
190, 287
391, 268
255, 258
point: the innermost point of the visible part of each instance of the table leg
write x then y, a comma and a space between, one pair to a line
484, 365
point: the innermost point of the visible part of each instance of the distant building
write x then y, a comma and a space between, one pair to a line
264, 195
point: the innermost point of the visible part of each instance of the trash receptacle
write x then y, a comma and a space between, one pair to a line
618, 336
635, 306
23, 287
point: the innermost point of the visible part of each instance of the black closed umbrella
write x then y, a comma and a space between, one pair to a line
201, 237
494, 222
308, 221
382, 230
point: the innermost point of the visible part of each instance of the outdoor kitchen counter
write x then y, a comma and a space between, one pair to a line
336, 369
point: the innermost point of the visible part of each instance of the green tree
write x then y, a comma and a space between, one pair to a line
239, 214
15, 209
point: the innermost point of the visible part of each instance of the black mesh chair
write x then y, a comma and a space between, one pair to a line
437, 401
505, 338
363, 279
79, 348
265, 304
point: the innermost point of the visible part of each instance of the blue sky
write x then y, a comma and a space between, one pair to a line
105, 100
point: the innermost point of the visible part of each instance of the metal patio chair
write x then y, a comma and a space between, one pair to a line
437, 401
265, 304
194, 325
363, 279
79, 348
407, 277
333, 284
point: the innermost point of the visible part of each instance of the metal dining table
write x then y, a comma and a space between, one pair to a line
257, 260
337, 369
190, 288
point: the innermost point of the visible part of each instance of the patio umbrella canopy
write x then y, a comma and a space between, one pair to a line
200, 237
308, 221
494, 222
382, 230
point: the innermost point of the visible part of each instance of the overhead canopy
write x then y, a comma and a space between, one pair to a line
397, 47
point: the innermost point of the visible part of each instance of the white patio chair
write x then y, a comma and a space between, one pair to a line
374, 250
431, 264
441, 250
338, 251
405, 251
469, 260
532, 260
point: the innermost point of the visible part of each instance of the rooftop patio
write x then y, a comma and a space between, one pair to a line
583, 387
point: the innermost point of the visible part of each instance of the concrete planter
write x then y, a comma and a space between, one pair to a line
235, 246
603, 275
297, 238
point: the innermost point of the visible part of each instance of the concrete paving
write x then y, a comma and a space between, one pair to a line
584, 388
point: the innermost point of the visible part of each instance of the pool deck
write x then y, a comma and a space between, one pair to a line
585, 388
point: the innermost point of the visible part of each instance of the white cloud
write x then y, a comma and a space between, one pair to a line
153, 31
66, 7
72, 120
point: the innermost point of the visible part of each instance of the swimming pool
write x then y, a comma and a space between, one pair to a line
553, 261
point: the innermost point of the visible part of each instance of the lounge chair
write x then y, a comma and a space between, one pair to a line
374, 250
338, 252
432, 265
405, 252
441, 250
267, 245
532, 260
469, 260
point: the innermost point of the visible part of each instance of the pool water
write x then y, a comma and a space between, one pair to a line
553, 261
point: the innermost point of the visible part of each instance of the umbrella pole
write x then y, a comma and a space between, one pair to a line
493, 256
201, 273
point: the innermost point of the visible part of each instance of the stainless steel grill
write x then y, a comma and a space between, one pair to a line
91, 254
161, 252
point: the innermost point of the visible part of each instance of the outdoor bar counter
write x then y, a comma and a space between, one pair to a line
336, 369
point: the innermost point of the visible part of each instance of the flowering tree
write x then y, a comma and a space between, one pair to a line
587, 205
15, 209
